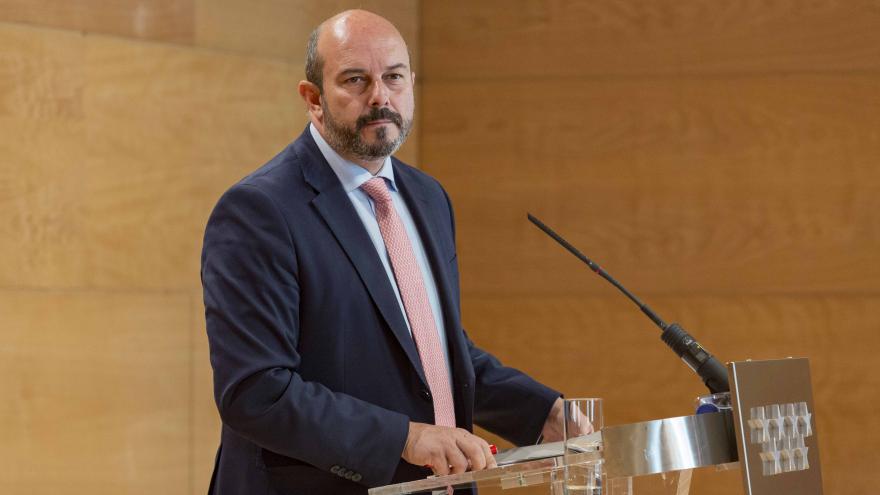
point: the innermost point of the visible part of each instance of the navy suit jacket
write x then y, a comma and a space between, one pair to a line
316, 376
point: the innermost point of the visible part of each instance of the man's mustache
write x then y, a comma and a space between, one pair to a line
383, 113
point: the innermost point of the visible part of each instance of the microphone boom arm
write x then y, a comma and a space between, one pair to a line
710, 370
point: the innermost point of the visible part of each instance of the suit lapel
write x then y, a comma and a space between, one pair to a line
429, 216
333, 205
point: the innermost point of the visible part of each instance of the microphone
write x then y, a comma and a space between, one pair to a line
709, 369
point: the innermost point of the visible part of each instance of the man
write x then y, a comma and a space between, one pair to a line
332, 300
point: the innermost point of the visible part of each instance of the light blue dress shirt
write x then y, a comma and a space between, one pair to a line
352, 177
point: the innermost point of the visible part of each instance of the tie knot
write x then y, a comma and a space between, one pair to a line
377, 190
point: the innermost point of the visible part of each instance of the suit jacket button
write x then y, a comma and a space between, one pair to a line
334, 469
348, 474
356, 478
426, 394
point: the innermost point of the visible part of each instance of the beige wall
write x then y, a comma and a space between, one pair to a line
121, 123
719, 158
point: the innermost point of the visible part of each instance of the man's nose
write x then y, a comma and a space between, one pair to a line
378, 94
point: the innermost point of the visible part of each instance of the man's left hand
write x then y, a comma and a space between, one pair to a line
553, 426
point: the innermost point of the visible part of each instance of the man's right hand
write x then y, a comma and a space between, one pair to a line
446, 450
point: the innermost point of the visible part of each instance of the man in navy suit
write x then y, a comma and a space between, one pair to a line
320, 384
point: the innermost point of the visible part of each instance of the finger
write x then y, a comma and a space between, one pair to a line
458, 462
581, 424
588, 427
439, 464
490, 456
473, 448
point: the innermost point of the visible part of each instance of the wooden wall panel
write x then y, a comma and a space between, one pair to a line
500, 39
603, 346
41, 74
159, 20
281, 28
41, 128
266, 29
169, 129
124, 165
41, 228
97, 392
767, 184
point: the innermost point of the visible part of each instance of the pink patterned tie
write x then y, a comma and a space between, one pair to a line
415, 300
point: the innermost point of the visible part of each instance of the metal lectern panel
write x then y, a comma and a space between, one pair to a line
671, 444
775, 428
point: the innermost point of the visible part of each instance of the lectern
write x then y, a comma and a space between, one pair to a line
767, 431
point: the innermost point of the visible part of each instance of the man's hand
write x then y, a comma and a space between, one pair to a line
446, 450
553, 426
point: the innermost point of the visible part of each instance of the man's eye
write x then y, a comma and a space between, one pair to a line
355, 79
394, 76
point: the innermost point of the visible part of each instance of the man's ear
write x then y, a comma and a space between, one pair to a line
311, 94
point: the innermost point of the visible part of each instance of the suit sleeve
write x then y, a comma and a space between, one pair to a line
508, 402
251, 292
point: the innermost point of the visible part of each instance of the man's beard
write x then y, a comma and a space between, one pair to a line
348, 141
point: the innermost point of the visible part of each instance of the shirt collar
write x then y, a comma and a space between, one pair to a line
351, 175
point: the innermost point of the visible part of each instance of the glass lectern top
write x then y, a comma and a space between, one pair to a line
540, 471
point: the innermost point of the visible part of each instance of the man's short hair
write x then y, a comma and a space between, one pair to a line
314, 62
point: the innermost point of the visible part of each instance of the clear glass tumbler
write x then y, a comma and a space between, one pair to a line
583, 422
